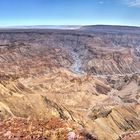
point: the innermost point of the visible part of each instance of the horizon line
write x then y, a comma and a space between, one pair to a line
66, 25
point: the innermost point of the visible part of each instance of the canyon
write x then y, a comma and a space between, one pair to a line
85, 79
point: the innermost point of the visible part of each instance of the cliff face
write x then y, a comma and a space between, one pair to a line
88, 77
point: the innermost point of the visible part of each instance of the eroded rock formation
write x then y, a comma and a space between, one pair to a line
88, 77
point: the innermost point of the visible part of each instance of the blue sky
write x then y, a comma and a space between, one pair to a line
69, 12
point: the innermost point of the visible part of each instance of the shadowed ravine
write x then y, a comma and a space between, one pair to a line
76, 66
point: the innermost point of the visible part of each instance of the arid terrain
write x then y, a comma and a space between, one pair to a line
80, 84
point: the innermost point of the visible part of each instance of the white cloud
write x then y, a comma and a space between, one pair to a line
101, 2
132, 3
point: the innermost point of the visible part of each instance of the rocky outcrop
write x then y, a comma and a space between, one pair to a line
111, 122
130, 136
34, 129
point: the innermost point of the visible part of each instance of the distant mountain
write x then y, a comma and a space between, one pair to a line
111, 29
86, 28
